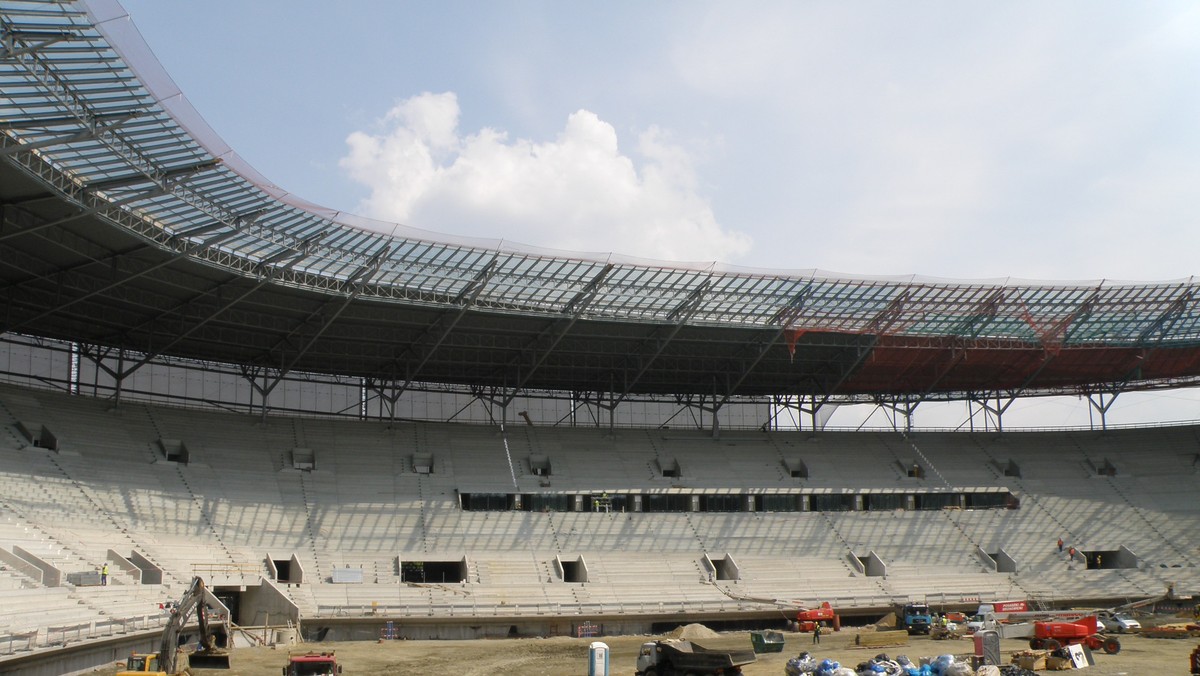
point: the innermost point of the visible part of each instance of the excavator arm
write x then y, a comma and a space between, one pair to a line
195, 599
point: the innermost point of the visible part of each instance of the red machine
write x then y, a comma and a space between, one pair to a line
808, 619
1053, 635
312, 664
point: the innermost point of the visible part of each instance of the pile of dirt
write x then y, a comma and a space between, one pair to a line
887, 622
694, 631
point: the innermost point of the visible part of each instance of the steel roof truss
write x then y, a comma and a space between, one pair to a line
761, 348
17, 43
64, 140
681, 313
575, 308
365, 274
431, 339
179, 254
181, 334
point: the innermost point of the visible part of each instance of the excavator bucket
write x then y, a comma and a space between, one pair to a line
208, 660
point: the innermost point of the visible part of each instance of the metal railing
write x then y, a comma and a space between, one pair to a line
59, 636
634, 608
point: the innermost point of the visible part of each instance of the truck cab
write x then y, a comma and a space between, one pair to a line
312, 664
915, 617
647, 657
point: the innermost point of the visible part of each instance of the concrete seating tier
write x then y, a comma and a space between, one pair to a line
238, 500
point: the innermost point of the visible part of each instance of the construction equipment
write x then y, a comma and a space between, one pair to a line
312, 664
1020, 624
211, 651
807, 618
670, 657
915, 617
1084, 631
1118, 618
141, 664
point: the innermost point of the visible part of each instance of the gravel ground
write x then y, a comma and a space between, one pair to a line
562, 656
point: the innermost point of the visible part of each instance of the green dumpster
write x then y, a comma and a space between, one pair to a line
767, 641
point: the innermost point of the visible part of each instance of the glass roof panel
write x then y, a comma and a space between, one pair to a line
91, 102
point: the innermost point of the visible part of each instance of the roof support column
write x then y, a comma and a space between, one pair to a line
716, 410
97, 355
120, 378
990, 411
906, 407
391, 393
1097, 403
788, 402
613, 401
251, 374
779, 403
580, 400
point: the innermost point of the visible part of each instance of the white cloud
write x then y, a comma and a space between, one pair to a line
958, 140
578, 192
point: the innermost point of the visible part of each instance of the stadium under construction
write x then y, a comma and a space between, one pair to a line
346, 426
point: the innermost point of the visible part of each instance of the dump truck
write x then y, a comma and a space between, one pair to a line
675, 657
312, 664
915, 617
211, 651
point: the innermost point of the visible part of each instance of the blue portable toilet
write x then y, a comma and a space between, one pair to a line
598, 659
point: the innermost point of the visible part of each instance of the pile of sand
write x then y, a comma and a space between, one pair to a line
694, 631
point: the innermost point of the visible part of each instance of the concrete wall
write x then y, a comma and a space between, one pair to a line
151, 574
80, 658
51, 576
21, 565
266, 604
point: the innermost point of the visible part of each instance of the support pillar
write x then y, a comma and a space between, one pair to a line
1097, 403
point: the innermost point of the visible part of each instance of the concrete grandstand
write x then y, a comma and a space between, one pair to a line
339, 423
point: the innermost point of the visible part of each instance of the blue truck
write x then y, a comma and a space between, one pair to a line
915, 617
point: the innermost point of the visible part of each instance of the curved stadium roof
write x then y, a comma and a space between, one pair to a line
127, 223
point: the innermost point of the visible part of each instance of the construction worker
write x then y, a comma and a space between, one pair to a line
104, 575
817, 633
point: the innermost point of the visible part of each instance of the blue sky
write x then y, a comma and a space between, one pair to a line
1030, 140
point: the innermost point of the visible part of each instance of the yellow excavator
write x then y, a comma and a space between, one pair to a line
172, 659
